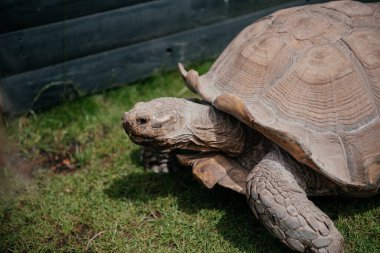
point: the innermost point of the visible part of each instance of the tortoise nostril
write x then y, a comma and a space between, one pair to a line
142, 120
125, 119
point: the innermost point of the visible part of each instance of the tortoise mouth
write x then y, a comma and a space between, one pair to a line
155, 141
139, 140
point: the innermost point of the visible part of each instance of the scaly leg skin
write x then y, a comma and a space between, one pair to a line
159, 161
282, 205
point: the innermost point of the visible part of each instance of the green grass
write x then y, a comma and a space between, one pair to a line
108, 203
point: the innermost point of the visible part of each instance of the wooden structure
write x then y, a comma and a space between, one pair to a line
53, 51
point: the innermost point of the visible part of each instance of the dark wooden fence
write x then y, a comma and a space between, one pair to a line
51, 51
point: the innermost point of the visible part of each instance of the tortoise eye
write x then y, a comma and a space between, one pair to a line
142, 120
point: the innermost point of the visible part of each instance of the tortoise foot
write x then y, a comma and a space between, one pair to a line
283, 207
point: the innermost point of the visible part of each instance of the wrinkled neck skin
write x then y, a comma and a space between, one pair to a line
204, 128
208, 129
217, 130
257, 146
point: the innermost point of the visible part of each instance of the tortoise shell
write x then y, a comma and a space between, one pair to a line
308, 78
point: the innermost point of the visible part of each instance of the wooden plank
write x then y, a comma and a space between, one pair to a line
45, 87
37, 12
38, 47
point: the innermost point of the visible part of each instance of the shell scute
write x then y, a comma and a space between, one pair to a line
350, 8
366, 46
306, 25
263, 50
323, 64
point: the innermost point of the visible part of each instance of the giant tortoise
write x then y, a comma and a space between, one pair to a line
290, 109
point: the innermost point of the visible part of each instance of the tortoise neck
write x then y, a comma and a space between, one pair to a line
256, 147
213, 130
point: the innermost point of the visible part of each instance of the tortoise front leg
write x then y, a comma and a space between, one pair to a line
159, 161
283, 207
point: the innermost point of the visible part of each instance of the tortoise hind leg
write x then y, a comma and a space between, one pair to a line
283, 207
215, 169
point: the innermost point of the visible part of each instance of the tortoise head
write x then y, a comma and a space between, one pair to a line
174, 123
155, 122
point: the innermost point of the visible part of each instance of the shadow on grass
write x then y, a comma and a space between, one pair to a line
345, 206
238, 225
135, 156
